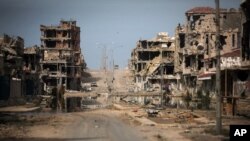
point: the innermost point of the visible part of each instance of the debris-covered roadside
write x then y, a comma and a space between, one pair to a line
177, 124
16, 126
11, 126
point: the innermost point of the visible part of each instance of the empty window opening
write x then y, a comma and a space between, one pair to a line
143, 65
63, 81
33, 66
64, 69
200, 21
207, 43
242, 75
52, 82
169, 70
210, 64
223, 40
194, 19
246, 41
64, 33
69, 44
187, 62
233, 40
50, 44
168, 55
146, 55
70, 70
139, 67
154, 44
144, 44
50, 67
182, 40
200, 62
69, 34
169, 44
214, 63
50, 33
154, 54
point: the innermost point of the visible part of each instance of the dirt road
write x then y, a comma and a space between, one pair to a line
101, 125
116, 79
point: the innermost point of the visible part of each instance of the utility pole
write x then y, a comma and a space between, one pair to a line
113, 67
162, 103
161, 67
218, 69
105, 59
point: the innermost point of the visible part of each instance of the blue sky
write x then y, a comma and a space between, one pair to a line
113, 23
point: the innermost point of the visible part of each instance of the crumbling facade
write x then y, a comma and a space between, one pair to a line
62, 62
195, 45
244, 102
196, 41
245, 52
11, 52
31, 71
152, 63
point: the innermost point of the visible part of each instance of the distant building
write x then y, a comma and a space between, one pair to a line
149, 59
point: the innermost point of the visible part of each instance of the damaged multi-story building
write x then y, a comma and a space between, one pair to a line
11, 76
244, 102
245, 52
31, 72
46, 71
195, 43
61, 62
152, 63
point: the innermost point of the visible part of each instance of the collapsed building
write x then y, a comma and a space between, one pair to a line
11, 78
152, 63
61, 62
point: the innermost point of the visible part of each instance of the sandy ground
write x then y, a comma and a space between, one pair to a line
103, 125
112, 125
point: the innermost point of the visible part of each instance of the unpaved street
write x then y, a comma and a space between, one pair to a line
101, 125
